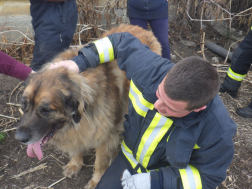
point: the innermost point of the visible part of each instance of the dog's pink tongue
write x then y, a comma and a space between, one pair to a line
34, 150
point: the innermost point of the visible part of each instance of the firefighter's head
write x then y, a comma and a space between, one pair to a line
188, 87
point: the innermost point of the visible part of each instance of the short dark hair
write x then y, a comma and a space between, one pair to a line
193, 80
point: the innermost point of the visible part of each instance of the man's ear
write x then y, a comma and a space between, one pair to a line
199, 109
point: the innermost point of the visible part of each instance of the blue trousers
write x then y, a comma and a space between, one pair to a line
242, 56
54, 24
241, 62
160, 29
112, 177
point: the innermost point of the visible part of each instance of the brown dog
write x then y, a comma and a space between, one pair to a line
78, 112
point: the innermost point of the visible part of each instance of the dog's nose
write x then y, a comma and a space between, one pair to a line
23, 135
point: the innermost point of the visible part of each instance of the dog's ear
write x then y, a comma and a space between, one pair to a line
26, 82
73, 104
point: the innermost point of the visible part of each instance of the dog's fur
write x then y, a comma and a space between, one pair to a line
81, 111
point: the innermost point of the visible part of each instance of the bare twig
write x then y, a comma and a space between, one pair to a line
9, 117
42, 166
13, 104
178, 54
56, 182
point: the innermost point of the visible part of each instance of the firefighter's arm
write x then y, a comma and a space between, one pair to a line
130, 53
207, 168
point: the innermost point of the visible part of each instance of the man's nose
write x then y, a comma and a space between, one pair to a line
157, 104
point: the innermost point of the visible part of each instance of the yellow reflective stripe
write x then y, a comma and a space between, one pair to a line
105, 49
128, 154
235, 76
190, 178
196, 146
151, 138
146, 135
251, 28
184, 178
140, 105
197, 177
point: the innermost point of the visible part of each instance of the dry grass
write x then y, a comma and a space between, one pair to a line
235, 13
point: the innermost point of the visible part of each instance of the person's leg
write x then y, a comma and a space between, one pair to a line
112, 177
160, 30
240, 64
138, 22
54, 24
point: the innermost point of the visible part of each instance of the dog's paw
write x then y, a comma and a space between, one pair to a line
71, 171
91, 184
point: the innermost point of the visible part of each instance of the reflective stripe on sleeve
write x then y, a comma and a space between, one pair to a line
140, 105
235, 76
105, 50
190, 178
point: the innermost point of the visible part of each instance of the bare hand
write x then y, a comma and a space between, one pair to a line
69, 64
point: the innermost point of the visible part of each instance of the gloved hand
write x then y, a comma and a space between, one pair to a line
137, 181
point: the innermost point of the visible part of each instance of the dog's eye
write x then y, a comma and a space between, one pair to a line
45, 110
24, 104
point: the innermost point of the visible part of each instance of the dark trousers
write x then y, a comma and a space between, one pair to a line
241, 62
160, 30
242, 56
112, 177
54, 24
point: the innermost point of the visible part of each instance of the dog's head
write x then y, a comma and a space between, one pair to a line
50, 101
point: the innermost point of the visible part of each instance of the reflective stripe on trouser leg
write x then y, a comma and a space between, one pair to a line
190, 178
235, 76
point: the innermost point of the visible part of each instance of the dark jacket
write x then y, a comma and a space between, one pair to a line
148, 9
202, 139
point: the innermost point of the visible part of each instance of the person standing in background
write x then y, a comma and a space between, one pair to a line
54, 23
240, 65
142, 12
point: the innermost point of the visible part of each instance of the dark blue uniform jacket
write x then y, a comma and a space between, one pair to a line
211, 129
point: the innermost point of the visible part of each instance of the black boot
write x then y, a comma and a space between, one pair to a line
245, 112
230, 92
230, 86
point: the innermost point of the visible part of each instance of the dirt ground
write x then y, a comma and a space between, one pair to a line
14, 160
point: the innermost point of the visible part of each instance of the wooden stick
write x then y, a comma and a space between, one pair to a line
9, 117
42, 166
56, 182
178, 54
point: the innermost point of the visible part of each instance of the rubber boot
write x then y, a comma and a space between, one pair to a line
245, 112
230, 86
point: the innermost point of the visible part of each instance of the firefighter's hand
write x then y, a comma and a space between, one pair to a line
69, 64
137, 181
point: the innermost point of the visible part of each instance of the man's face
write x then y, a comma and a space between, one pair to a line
168, 107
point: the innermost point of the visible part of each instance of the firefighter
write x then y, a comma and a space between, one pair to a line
240, 65
178, 133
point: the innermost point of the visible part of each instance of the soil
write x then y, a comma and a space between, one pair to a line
14, 160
